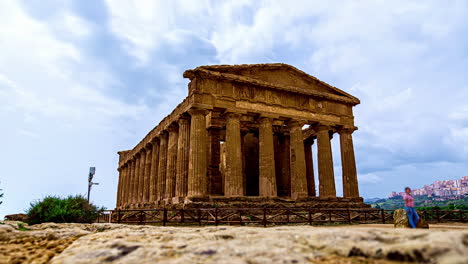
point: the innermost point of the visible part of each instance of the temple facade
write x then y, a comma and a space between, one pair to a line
244, 131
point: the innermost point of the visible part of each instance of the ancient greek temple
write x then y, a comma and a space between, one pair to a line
244, 133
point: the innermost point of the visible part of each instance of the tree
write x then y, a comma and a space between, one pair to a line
1, 195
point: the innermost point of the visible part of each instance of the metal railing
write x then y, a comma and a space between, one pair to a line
268, 216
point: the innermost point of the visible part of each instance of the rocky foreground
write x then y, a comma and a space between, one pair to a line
112, 243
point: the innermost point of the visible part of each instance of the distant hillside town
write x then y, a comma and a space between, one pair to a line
441, 190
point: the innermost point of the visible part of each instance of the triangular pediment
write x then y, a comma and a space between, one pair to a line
278, 74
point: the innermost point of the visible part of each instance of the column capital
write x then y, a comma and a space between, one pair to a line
347, 130
296, 123
232, 115
148, 146
321, 127
198, 111
265, 119
154, 140
183, 119
162, 133
173, 127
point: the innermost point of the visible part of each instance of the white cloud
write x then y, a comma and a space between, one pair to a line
369, 178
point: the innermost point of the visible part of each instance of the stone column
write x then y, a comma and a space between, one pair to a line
267, 176
183, 151
141, 176
128, 194
309, 166
233, 182
126, 184
198, 153
173, 130
136, 176
297, 159
162, 164
153, 182
348, 164
119, 186
148, 165
215, 181
325, 162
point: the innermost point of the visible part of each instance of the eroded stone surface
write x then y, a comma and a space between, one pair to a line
293, 244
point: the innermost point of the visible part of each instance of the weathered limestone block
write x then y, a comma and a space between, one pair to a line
400, 220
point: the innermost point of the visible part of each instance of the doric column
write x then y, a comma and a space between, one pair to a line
215, 181
173, 130
128, 193
267, 177
136, 177
153, 182
297, 159
119, 186
325, 162
148, 165
348, 164
183, 151
309, 166
233, 182
141, 176
162, 164
198, 153
126, 184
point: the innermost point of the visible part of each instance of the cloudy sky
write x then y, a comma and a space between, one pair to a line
81, 80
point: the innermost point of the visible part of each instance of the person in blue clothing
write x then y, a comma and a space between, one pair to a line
413, 217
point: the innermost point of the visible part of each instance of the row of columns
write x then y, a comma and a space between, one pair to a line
174, 165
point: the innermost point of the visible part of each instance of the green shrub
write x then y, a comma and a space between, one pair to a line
73, 209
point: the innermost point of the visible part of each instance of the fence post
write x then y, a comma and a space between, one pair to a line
118, 216
437, 215
329, 216
365, 216
199, 216
349, 215
425, 215
182, 215
141, 218
461, 215
382, 212
164, 216
264, 217
216, 216
310, 216
287, 216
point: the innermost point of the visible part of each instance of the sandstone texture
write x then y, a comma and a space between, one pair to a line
401, 220
113, 243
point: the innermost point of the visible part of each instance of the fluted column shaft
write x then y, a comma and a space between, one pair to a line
153, 182
128, 194
119, 186
267, 177
325, 163
171, 161
197, 184
146, 181
297, 159
125, 184
162, 165
136, 180
348, 164
234, 184
183, 151
309, 167
141, 176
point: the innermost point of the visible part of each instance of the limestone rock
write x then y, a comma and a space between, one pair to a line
400, 220
16, 217
285, 244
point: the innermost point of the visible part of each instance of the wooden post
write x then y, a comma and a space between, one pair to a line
264, 217
349, 215
164, 216
382, 212
141, 218
425, 215
438, 216
216, 216
199, 216
240, 217
182, 215
461, 215
118, 216
310, 216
